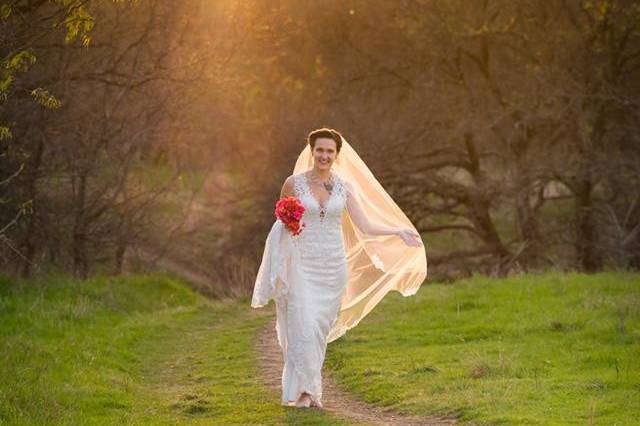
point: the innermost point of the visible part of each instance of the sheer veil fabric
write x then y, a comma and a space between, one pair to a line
376, 264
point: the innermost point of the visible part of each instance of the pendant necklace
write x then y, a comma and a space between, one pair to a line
328, 186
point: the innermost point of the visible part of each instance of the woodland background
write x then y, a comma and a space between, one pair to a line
137, 134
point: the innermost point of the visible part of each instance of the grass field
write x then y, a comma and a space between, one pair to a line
551, 349
139, 351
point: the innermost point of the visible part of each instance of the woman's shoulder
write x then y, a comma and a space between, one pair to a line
293, 178
345, 182
292, 183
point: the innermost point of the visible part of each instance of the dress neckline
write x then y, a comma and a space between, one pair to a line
326, 203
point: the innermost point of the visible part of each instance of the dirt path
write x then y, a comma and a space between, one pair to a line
335, 401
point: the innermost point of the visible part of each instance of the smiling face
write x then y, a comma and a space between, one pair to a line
324, 153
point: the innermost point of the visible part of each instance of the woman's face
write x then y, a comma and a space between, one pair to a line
324, 153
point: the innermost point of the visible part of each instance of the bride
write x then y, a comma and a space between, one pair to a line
356, 246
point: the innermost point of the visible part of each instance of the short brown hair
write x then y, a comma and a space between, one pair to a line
325, 132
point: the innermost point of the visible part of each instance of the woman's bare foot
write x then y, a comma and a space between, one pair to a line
316, 403
304, 400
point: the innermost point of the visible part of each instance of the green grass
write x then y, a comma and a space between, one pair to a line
137, 350
548, 349
551, 349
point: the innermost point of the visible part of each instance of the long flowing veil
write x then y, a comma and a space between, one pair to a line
375, 264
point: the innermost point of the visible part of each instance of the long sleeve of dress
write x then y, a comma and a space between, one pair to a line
361, 220
272, 278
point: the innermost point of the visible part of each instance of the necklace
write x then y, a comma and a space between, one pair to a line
327, 184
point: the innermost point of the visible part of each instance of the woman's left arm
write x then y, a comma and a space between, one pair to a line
363, 223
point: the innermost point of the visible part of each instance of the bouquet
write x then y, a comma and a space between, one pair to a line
289, 210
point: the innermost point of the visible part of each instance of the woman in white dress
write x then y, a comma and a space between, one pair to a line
325, 279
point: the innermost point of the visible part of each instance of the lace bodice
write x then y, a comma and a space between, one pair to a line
322, 234
327, 216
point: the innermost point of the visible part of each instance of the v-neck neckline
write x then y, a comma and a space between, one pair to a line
326, 203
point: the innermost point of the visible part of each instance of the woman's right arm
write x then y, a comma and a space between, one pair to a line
287, 188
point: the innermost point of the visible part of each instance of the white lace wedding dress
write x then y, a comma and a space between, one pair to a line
326, 279
317, 277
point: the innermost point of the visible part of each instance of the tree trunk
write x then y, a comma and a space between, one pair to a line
528, 228
32, 191
588, 256
79, 239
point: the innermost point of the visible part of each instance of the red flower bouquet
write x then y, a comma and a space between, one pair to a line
289, 210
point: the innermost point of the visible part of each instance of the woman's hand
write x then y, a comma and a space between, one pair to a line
410, 237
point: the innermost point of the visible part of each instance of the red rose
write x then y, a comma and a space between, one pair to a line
290, 210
